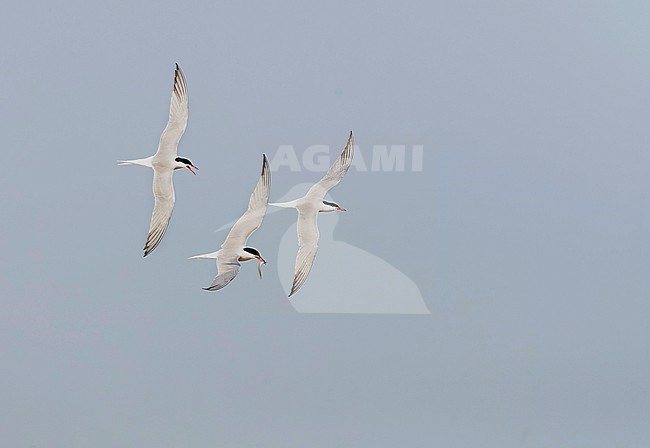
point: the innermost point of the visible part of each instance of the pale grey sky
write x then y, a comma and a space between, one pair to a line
526, 232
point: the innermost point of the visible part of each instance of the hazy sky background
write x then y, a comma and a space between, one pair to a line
526, 231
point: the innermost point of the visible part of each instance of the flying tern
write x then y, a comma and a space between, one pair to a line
234, 249
165, 161
308, 208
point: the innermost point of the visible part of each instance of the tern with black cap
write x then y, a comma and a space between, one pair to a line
165, 161
308, 208
234, 249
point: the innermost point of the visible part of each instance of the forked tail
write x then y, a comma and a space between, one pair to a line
290, 204
142, 162
210, 256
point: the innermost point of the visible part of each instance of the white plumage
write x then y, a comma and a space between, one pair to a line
308, 208
165, 161
234, 249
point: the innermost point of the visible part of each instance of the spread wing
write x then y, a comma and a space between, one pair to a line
307, 247
252, 218
227, 269
178, 112
163, 191
335, 173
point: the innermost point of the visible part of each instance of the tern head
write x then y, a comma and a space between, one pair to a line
181, 162
331, 207
250, 253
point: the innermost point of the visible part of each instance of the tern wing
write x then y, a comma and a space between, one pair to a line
178, 112
227, 269
307, 247
252, 218
163, 191
335, 173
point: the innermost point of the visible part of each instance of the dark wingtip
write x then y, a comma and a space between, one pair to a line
177, 67
265, 164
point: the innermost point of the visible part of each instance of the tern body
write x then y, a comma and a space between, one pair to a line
234, 249
308, 208
165, 161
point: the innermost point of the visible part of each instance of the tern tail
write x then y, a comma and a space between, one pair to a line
290, 204
209, 256
142, 162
